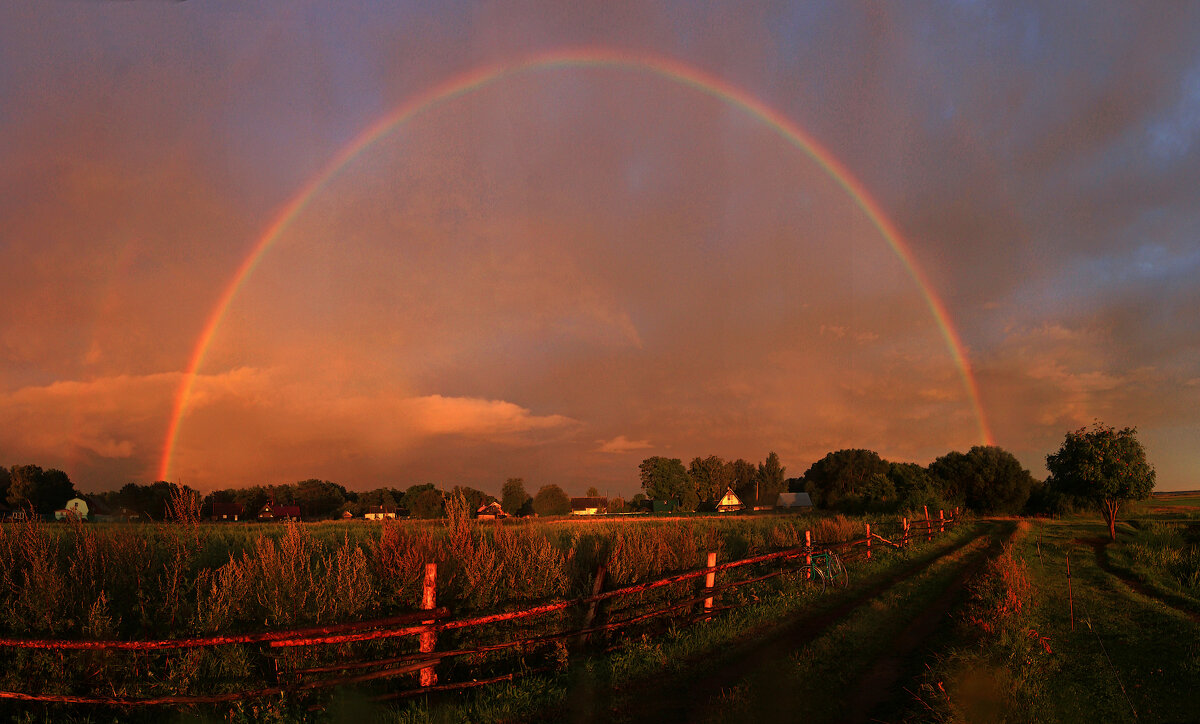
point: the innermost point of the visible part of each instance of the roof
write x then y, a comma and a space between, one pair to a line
794, 500
228, 508
588, 502
279, 510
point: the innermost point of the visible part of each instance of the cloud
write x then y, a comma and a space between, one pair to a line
621, 444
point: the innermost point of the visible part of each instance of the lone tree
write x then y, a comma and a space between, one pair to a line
1104, 465
551, 500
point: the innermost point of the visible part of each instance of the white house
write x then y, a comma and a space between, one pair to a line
730, 502
75, 508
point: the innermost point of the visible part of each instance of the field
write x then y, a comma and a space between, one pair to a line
981, 623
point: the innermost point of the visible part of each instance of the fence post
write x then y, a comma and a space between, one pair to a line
710, 580
808, 555
429, 638
590, 616
941, 522
868, 541
928, 527
904, 524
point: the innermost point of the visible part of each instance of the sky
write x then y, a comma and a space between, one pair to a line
396, 243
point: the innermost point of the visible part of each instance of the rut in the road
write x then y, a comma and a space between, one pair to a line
687, 696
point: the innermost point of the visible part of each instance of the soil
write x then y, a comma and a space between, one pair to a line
688, 696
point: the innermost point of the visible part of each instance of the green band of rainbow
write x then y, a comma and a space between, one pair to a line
475, 79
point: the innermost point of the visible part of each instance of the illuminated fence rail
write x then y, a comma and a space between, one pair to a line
322, 657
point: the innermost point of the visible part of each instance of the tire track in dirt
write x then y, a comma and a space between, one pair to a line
878, 693
685, 697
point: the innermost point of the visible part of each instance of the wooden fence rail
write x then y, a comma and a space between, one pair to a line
428, 622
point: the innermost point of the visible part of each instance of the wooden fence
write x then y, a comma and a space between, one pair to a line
598, 616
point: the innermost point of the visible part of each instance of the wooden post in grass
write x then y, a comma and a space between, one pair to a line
590, 616
904, 524
710, 580
808, 555
941, 522
429, 638
928, 527
1070, 593
868, 541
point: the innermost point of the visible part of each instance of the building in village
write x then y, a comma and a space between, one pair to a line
794, 501
76, 509
730, 502
491, 511
273, 511
589, 506
227, 511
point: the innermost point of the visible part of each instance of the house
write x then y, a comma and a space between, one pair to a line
379, 512
278, 511
589, 506
491, 511
347, 515
76, 508
227, 511
730, 502
794, 501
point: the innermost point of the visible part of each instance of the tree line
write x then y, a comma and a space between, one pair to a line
1096, 467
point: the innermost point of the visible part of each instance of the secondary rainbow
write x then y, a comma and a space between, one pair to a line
475, 79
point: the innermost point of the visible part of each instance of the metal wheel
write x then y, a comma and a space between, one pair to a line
841, 577
819, 578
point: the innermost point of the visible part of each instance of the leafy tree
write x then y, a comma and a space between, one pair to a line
551, 500
616, 505
986, 479
770, 480
745, 477
914, 488
592, 492
513, 497
842, 476
44, 490
1104, 465
711, 476
319, 498
5, 481
474, 498
666, 479
425, 501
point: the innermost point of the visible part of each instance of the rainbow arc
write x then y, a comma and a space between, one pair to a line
606, 58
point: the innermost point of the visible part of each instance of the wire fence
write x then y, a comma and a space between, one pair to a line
491, 647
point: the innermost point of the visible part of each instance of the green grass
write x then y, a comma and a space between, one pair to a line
1127, 652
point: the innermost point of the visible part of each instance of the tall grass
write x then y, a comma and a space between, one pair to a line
1162, 550
188, 578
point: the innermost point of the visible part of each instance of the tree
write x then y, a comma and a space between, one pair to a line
592, 492
616, 505
770, 480
425, 501
475, 498
711, 476
5, 481
745, 477
842, 476
1104, 465
986, 479
319, 498
666, 479
513, 497
551, 500
43, 490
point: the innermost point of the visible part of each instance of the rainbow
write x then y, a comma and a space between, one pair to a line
477, 78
